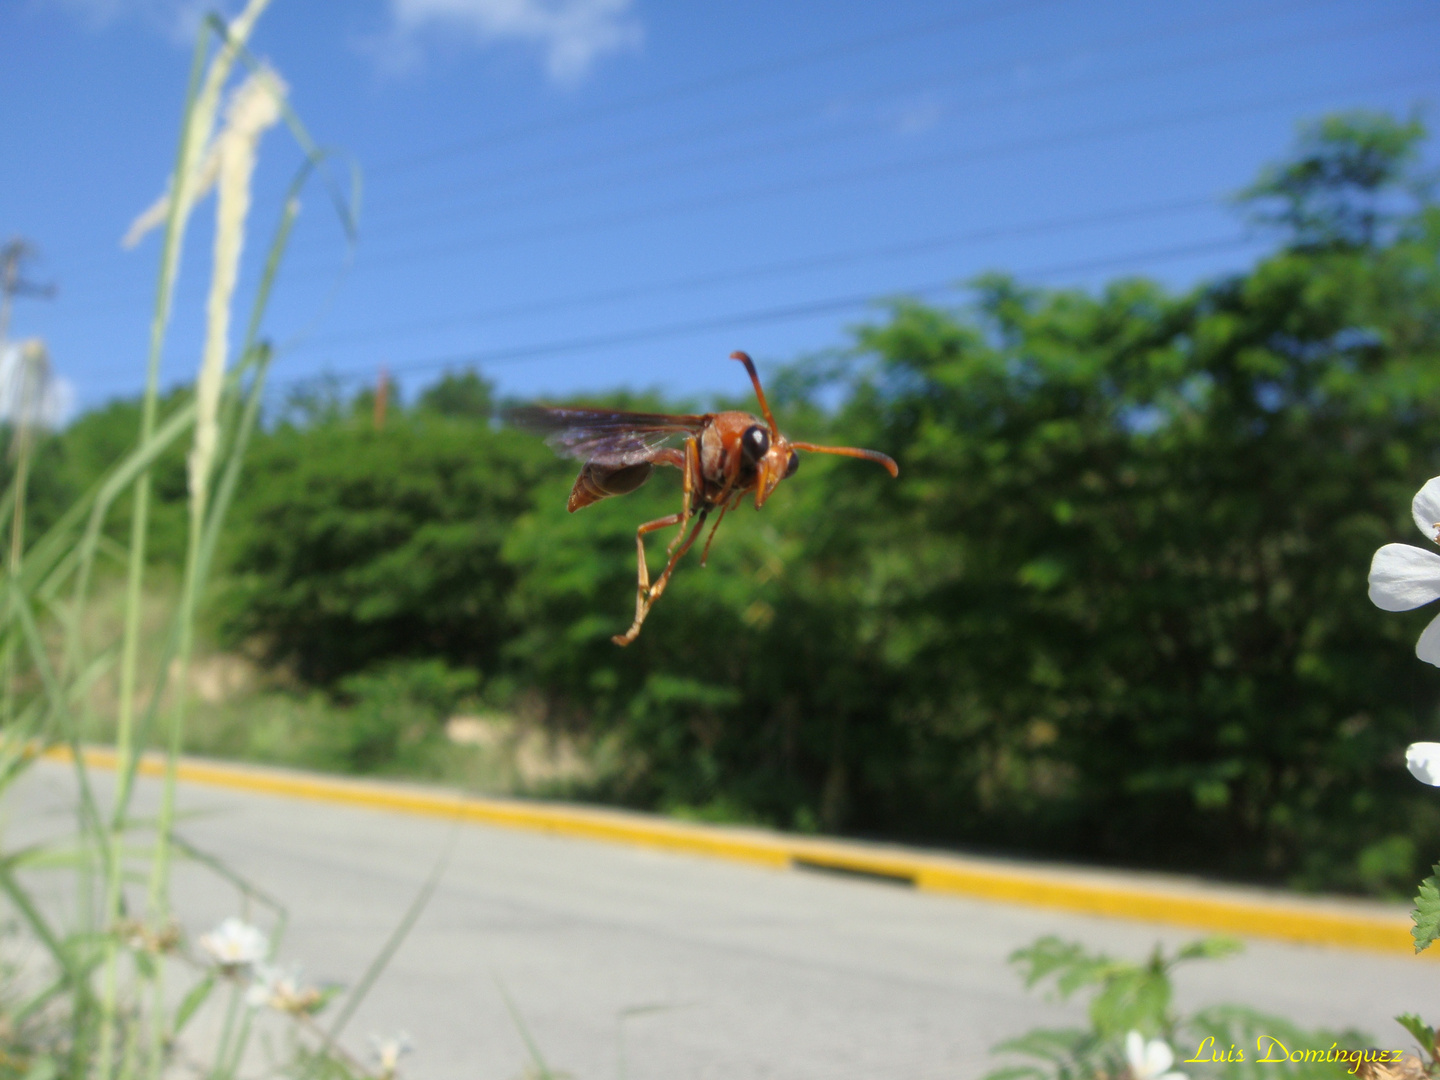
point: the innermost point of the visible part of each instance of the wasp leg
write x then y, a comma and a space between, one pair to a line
734, 502
705, 551
647, 594
642, 585
690, 481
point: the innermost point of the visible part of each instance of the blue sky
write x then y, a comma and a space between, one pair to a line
577, 195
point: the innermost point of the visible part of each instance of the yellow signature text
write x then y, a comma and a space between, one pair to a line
1272, 1051
1209, 1050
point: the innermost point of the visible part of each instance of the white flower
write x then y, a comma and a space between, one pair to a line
1423, 761
389, 1051
1404, 577
1149, 1060
235, 943
279, 989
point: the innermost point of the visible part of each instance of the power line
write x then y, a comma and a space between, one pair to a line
771, 269
782, 313
859, 125
965, 157
676, 92
560, 229
871, 172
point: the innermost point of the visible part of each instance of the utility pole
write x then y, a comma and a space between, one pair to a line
382, 398
13, 256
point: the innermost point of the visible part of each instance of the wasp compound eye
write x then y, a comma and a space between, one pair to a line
754, 443
792, 465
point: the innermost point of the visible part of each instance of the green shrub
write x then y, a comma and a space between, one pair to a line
1114, 606
394, 706
353, 546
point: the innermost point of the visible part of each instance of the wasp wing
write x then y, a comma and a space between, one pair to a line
603, 436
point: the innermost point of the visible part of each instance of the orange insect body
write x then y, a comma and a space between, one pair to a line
722, 456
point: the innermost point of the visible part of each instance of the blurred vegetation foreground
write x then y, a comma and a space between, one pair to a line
1114, 607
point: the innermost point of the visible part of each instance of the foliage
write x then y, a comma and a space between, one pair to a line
68, 464
397, 703
1128, 997
460, 395
1113, 607
1334, 191
354, 545
98, 996
1427, 911
33, 1042
1426, 1040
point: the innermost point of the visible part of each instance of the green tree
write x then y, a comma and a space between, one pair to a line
70, 462
1114, 606
464, 396
1353, 174
354, 546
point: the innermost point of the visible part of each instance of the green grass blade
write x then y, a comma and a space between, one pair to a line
213, 863
397, 937
30, 913
543, 1071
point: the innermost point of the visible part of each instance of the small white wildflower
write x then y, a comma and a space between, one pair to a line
1403, 577
388, 1052
279, 989
1423, 761
1149, 1060
31, 395
235, 943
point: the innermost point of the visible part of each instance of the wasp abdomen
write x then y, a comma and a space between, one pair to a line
597, 482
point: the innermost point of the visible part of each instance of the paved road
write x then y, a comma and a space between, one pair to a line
761, 974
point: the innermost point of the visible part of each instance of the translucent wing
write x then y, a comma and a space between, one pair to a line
604, 436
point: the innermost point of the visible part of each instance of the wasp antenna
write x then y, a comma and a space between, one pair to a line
744, 358
850, 451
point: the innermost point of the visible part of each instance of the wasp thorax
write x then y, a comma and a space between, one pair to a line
754, 443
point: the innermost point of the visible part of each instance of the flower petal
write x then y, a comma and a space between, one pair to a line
1425, 508
1428, 647
1404, 577
1423, 761
1135, 1052
1158, 1057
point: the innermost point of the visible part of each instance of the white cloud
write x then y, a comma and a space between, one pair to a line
571, 33
918, 116
175, 19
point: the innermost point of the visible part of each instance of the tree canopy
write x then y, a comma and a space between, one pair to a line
1114, 606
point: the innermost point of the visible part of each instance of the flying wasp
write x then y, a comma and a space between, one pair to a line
721, 456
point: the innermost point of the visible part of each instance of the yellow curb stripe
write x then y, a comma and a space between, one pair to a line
931, 873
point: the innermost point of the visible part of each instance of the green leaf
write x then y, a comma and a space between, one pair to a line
1017, 1072
1068, 961
1423, 1032
1049, 1044
1210, 948
193, 1000
1427, 911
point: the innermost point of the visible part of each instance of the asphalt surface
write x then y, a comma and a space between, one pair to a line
656, 966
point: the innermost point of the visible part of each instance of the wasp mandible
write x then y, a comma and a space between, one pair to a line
721, 456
